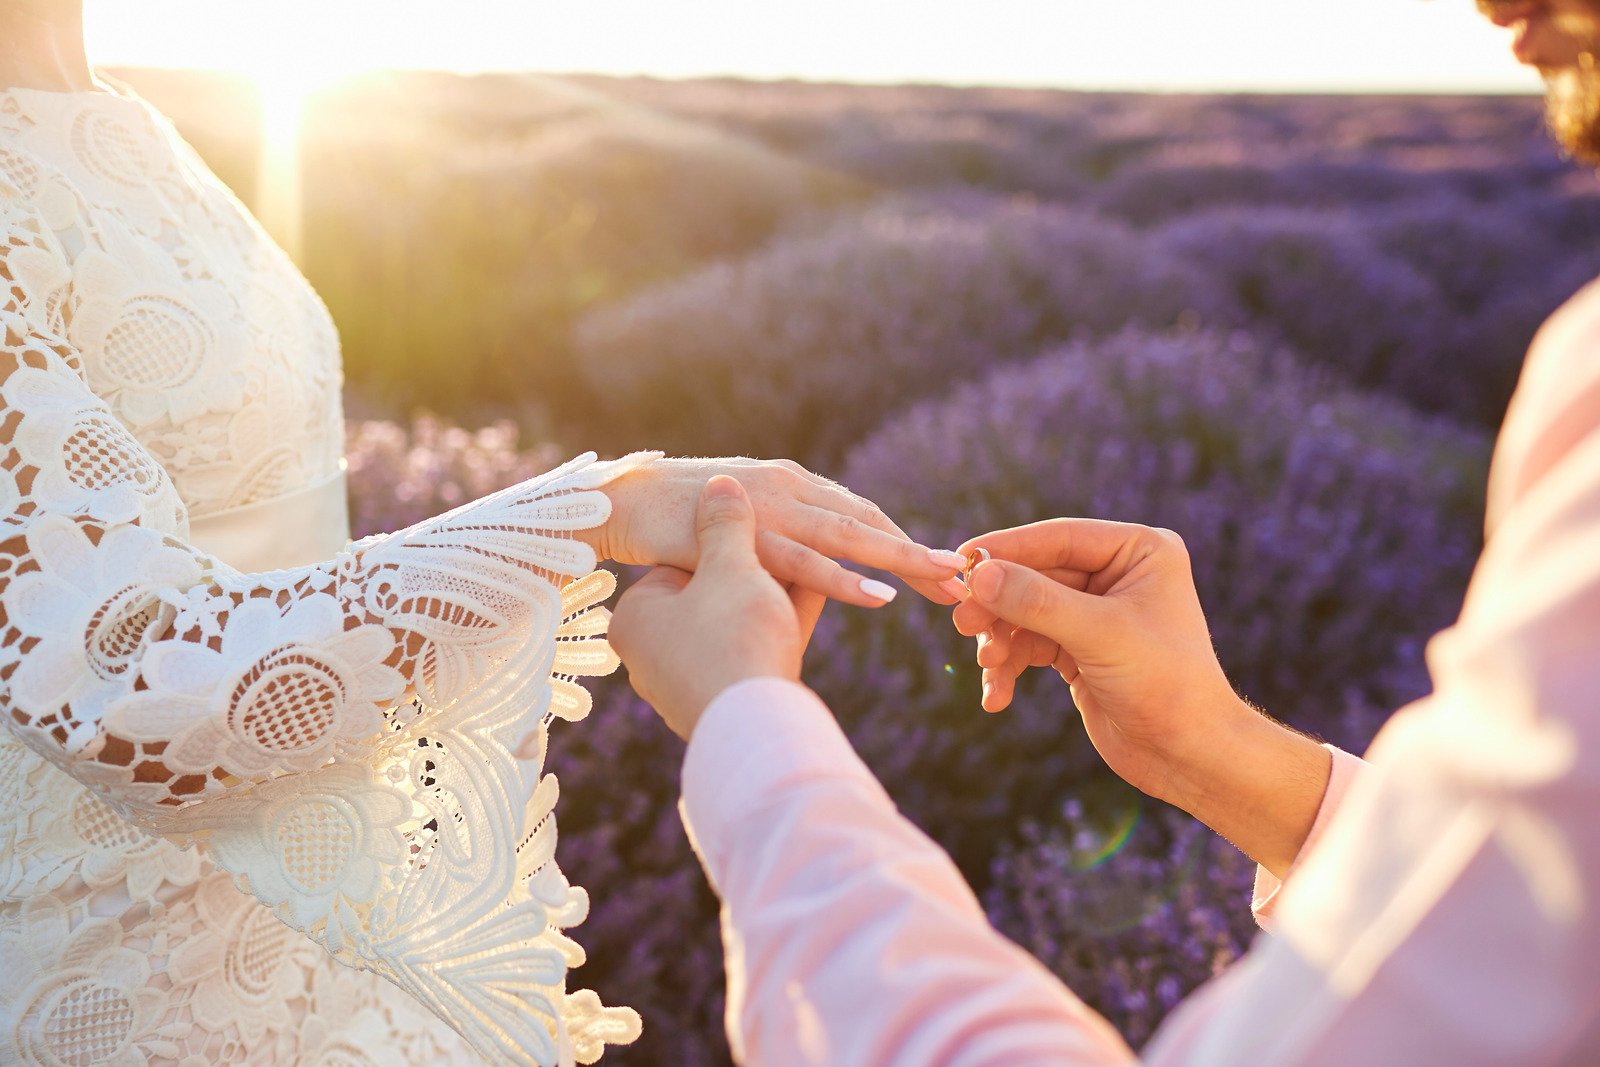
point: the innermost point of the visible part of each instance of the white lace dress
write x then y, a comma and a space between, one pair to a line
344, 738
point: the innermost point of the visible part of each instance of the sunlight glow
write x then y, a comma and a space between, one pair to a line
1162, 45
292, 49
285, 96
283, 105
290, 58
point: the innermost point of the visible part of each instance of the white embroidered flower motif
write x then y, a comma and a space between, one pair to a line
365, 1040
10, 491
282, 690
464, 604
314, 847
372, 1024
79, 996
157, 346
118, 851
37, 264
88, 605
86, 461
25, 805
241, 968
79, 834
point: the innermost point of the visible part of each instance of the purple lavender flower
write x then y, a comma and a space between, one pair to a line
1318, 282
1133, 905
799, 349
1501, 278
1331, 534
402, 474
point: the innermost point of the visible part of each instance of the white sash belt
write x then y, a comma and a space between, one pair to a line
306, 526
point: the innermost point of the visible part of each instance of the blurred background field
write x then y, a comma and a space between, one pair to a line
1286, 327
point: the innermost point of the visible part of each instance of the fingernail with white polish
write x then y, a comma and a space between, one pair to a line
878, 590
943, 557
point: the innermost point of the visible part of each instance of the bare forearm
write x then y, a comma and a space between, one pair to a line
1259, 786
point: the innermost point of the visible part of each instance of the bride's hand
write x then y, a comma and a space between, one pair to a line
804, 522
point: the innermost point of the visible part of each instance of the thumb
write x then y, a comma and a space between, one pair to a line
725, 525
1024, 597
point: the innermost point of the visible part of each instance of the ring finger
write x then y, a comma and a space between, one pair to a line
791, 561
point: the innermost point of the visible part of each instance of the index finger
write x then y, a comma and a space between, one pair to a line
1085, 545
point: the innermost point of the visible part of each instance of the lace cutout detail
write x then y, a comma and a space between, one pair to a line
193, 327
358, 743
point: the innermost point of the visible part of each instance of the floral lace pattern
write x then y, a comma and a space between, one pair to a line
353, 748
234, 389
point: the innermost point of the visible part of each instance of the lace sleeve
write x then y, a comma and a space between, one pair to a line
359, 742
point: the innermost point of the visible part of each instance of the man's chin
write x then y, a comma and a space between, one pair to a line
1572, 111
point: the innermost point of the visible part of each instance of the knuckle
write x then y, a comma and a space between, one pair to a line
1170, 544
824, 573
1173, 539
849, 528
1153, 540
791, 466
871, 510
721, 512
815, 571
798, 554
797, 559
831, 576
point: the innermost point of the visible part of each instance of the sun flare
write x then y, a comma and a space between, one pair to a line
287, 92
286, 96
293, 49
1259, 45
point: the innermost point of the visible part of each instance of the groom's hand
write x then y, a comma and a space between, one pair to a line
1112, 607
685, 638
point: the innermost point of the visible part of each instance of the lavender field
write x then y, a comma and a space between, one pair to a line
1285, 327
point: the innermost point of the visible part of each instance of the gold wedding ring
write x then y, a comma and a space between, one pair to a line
974, 557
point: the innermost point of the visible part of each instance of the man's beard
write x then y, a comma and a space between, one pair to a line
1572, 109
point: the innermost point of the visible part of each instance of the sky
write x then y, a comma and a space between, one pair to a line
1163, 45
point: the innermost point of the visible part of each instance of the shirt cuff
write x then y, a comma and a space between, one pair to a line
1343, 772
756, 740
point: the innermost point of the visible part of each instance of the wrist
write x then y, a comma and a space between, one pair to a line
596, 538
1258, 783
630, 494
1203, 760
609, 539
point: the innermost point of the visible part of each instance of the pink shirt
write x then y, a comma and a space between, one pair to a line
1445, 911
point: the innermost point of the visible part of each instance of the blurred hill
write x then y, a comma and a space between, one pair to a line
458, 226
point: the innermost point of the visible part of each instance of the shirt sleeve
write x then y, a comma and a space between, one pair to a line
1446, 915
359, 742
1345, 769
851, 938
